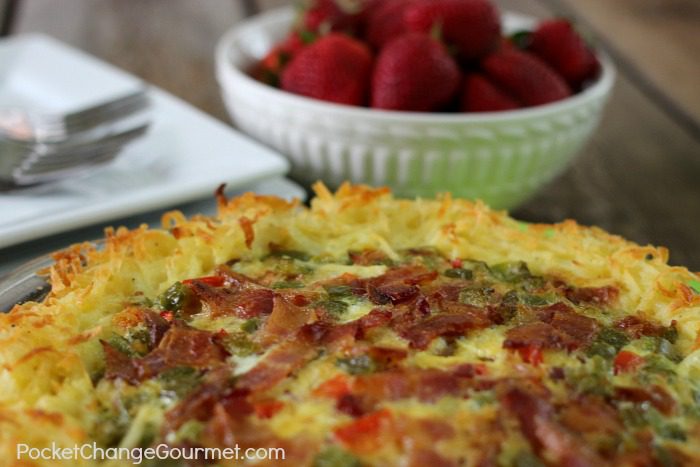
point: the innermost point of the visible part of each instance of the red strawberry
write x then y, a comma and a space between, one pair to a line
335, 68
481, 95
385, 21
558, 43
334, 15
414, 72
268, 69
473, 26
525, 76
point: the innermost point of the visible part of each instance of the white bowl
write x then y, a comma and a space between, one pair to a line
500, 157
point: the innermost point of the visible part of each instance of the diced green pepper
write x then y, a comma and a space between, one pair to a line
121, 344
174, 298
660, 365
593, 378
668, 350
663, 457
601, 349
671, 431
459, 273
511, 272
110, 428
180, 380
189, 431
607, 343
336, 457
334, 307
538, 300
250, 325
477, 267
612, 337
336, 292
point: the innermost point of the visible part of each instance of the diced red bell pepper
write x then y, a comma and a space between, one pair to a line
364, 435
531, 354
267, 409
167, 315
457, 263
627, 361
335, 387
214, 281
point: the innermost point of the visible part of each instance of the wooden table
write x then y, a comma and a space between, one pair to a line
639, 177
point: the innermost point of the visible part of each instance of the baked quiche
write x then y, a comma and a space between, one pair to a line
360, 331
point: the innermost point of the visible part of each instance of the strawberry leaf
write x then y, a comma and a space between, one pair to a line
307, 37
521, 39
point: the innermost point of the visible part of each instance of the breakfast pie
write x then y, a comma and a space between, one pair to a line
362, 330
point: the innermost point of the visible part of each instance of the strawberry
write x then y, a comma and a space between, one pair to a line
335, 68
414, 72
557, 43
385, 21
268, 69
481, 95
525, 76
322, 16
472, 26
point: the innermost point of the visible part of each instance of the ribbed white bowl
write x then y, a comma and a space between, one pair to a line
500, 157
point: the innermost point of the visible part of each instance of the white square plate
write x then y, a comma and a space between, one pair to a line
185, 155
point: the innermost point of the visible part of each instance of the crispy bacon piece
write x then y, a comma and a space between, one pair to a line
214, 281
350, 404
398, 285
386, 357
391, 293
410, 275
239, 301
539, 336
180, 346
233, 278
118, 365
421, 334
637, 327
284, 321
217, 390
156, 326
592, 415
183, 346
282, 361
426, 385
373, 319
592, 295
546, 435
253, 302
655, 395
561, 328
581, 328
